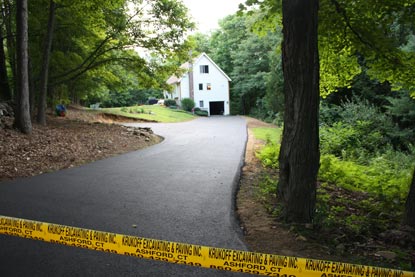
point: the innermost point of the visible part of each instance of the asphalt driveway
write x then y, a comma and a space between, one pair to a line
179, 190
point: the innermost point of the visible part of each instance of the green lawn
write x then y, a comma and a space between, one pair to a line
265, 133
153, 112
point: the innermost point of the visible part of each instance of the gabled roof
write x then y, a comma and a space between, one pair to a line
174, 79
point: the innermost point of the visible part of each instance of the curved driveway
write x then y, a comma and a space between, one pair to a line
179, 190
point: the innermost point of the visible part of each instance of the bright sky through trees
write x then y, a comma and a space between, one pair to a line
207, 13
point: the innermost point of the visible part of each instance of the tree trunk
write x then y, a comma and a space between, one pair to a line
44, 76
22, 114
409, 218
5, 92
299, 154
32, 89
11, 42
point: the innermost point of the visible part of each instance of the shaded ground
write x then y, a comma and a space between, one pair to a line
66, 142
265, 233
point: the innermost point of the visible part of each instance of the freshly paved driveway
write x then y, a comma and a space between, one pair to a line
180, 190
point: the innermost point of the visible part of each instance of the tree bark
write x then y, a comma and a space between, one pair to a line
44, 76
22, 114
409, 218
11, 42
299, 154
5, 92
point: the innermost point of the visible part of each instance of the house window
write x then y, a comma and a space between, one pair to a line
204, 69
200, 104
209, 86
200, 86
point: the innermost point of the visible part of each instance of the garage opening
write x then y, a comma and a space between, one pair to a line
217, 108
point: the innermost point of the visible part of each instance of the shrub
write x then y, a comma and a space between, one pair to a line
188, 104
361, 131
170, 102
201, 113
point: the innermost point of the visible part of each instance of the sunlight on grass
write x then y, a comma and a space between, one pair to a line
152, 112
265, 134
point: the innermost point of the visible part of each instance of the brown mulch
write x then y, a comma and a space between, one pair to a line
66, 142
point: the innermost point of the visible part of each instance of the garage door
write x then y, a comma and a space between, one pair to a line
217, 108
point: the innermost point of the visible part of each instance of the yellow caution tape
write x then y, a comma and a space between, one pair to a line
189, 254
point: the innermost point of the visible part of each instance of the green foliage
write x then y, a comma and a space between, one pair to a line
201, 113
269, 155
188, 104
379, 31
270, 152
402, 111
357, 130
249, 59
380, 177
92, 57
169, 102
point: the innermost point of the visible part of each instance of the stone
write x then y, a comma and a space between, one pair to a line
388, 255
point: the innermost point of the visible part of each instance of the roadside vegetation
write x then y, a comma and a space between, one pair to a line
365, 173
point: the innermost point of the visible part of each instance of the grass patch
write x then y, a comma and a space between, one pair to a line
268, 134
152, 112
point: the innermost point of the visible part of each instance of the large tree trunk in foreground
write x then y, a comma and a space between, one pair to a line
44, 76
22, 113
299, 154
409, 218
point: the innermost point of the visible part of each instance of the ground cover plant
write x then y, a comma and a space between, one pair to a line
364, 180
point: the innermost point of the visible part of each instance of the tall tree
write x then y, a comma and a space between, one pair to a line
5, 92
9, 20
22, 113
44, 75
349, 32
299, 154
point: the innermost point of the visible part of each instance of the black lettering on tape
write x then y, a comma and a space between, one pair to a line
188, 254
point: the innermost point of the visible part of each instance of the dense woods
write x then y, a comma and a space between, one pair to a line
337, 75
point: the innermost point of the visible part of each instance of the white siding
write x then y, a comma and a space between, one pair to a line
184, 84
217, 79
219, 85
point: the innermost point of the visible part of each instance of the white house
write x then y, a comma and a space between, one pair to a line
205, 83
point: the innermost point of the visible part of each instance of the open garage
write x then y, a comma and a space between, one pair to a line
217, 108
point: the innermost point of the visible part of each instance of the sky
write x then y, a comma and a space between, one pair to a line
207, 13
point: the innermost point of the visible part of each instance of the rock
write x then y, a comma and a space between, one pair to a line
388, 255
6, 110
301, 238
309, 226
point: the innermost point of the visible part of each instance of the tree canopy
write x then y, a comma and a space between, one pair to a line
97, 43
